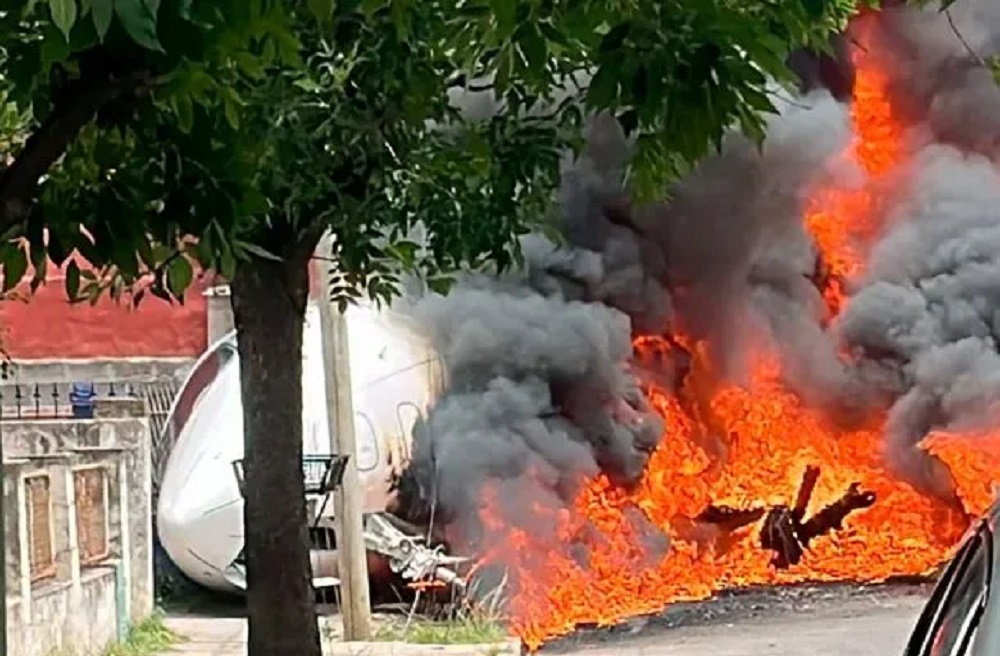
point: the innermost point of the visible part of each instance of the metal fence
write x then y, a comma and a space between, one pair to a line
46, 401
159, 396
19, 402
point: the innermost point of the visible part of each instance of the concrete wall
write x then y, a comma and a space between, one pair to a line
66, 621
219, 312
99, 370
81, 608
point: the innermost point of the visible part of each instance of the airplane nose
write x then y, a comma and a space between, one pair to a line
211, 487
200, 523
200, 509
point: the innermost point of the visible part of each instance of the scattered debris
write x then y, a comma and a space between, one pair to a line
730, 519
788, 533
408, 555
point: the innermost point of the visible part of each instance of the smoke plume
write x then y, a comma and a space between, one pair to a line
541, 385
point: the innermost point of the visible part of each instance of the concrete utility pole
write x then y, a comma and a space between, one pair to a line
348, 522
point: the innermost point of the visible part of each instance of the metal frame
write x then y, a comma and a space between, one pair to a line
329, 480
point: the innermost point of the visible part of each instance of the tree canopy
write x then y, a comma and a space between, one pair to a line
164, 114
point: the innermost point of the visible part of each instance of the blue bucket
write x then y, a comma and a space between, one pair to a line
81, 399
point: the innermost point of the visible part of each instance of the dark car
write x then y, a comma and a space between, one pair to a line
962, 617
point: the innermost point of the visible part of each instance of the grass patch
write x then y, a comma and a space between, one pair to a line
465, 630
148, 638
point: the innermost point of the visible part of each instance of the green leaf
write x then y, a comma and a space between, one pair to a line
185, 112
369, 7
57, 252
259, 251
103, 11
289, 47
72, 281
405, 252
994, 66
758, 100
54, 50
14, 267
614, 39
535, 50
505, 14
227, 263
139, 21
250, 64
816, 8
603, 89
231, 104
549, 31
179, 275
440, 284
63, 15
629, 121
322, 9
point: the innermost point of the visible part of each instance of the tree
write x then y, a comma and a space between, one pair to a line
231, 135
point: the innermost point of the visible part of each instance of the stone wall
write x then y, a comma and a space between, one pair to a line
81, 605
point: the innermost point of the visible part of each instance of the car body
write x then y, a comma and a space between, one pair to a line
962, 617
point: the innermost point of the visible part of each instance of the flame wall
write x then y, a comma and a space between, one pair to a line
832, 300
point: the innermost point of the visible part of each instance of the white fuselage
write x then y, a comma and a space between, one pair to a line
395, 376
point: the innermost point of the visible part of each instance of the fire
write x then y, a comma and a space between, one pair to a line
604, 559
978, 483
843, 220
594, 566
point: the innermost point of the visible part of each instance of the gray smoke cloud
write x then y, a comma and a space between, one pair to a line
938, 79
926, 313
541, 388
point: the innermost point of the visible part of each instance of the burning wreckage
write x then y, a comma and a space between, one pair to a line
789, 372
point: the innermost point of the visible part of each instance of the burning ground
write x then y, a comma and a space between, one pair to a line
788, 372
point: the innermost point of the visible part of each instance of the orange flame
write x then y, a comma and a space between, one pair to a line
843, 220
594, 563
775, 438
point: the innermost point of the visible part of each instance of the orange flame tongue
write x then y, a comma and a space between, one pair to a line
842, 221
593, 563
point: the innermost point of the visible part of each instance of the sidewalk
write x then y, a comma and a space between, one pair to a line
227, 636
209, 636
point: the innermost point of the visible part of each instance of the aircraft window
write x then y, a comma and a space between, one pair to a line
960, 611
367, 444
407, 415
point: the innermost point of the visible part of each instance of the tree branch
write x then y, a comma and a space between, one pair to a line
73, 111
961, 37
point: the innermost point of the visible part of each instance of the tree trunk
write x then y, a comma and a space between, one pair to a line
269, 301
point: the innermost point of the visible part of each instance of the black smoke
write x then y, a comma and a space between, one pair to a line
541, 384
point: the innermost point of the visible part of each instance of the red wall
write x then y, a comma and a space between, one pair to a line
46, 325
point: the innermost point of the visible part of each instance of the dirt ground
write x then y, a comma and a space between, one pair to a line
807, 622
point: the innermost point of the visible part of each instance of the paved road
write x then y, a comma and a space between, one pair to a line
853, 630
875, 625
